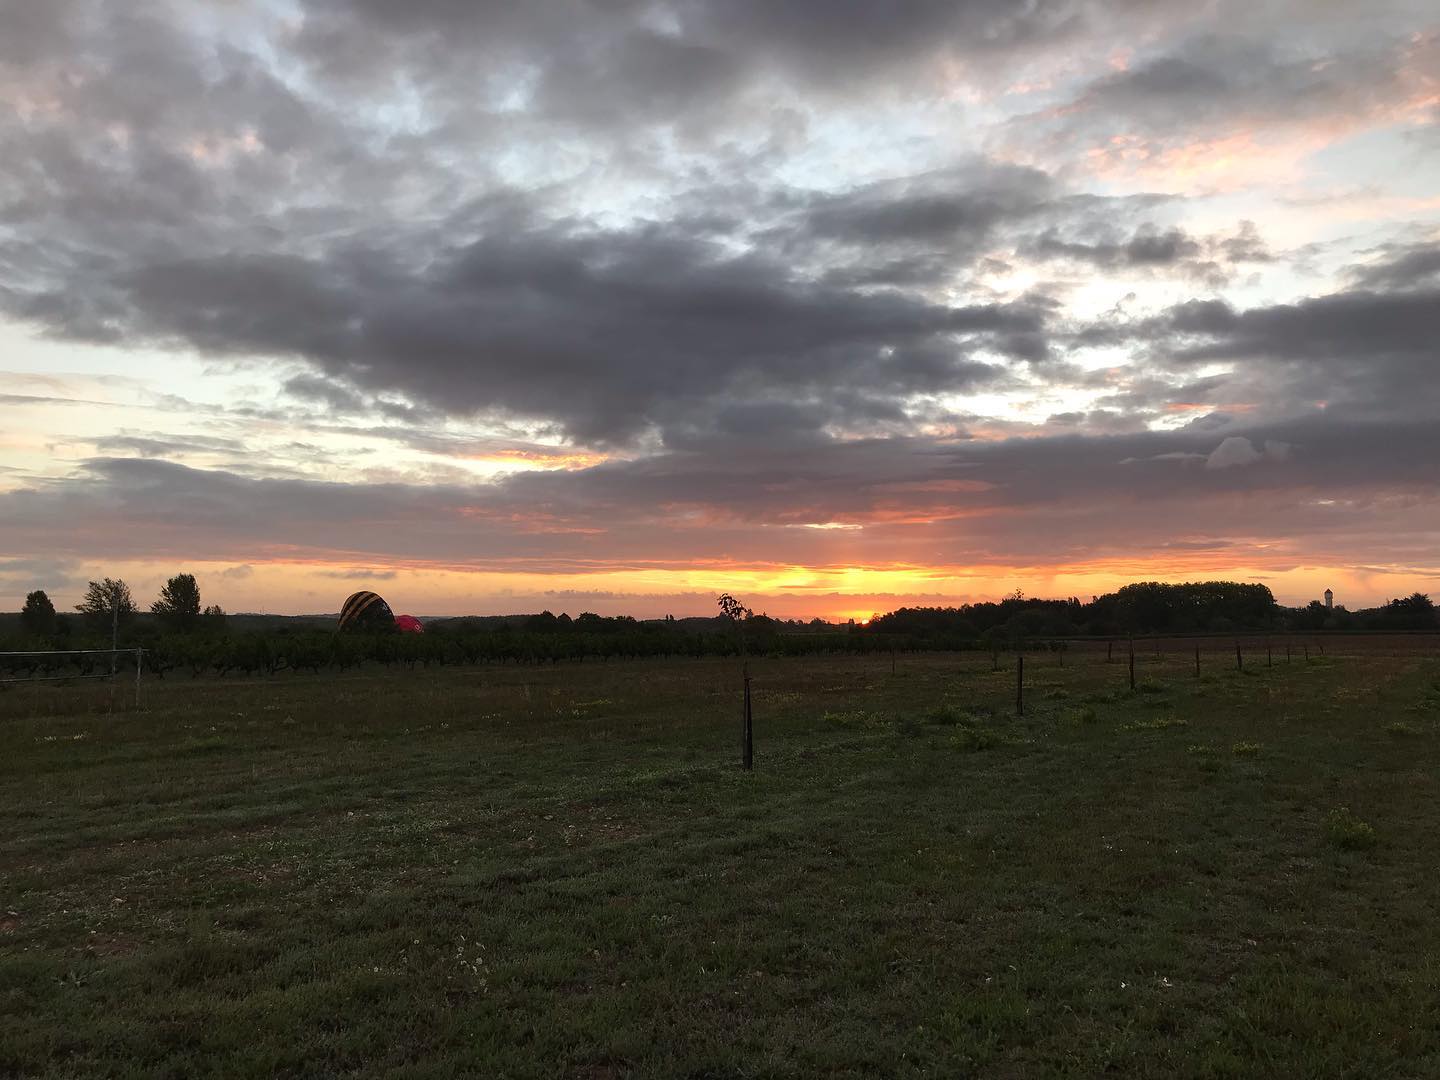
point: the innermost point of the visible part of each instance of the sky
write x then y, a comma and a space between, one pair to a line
614, 305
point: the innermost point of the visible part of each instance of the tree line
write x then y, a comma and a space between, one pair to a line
183, 635
109, 605
1151, 607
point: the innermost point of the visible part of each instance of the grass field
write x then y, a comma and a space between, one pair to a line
561, 872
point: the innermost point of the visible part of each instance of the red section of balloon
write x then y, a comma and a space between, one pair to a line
409, 624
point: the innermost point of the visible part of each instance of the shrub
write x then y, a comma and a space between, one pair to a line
1076, 717
1205, 757
1160, 723
1346, 831
854, 718
971, 739
944, 715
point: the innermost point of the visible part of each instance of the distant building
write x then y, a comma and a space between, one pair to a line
1329, 600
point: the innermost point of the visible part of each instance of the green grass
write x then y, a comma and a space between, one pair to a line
561, 871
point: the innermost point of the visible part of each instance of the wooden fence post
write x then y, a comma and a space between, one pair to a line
1239, 661
1197, 661
1132, 664
1020, 685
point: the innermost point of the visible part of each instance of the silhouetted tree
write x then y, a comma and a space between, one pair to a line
1311, 617
1413, 612
107, 603
737, 613
213, 618
732, 609
179, 604
38, 614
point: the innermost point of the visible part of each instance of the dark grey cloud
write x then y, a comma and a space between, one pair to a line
668, 56
1328, 66
1173, 251
1147, 247
605, 332
55, 575
1215, 78
183, 195
918, 500
1347, 328
149, 446
358, 575
1359, 353
1401, 267
965, 204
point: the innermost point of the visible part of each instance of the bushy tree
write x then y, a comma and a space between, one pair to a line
107, 603
213, 618
732, 609
38, 614
179, 604
737, 613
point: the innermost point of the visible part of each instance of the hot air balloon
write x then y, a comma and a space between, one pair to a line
409, 624
366, 611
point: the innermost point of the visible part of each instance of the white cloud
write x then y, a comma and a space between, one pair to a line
1233, 452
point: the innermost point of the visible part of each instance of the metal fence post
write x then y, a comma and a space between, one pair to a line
748, 748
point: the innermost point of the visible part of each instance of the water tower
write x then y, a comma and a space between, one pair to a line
1329, 600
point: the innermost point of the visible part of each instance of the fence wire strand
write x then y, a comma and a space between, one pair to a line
115, 671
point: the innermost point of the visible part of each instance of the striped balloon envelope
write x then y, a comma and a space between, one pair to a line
366, 611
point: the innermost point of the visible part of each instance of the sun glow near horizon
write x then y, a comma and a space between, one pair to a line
834, 595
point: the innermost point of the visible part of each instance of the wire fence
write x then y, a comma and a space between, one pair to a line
68, 665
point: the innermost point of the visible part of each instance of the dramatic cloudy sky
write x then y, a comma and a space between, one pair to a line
615, 304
